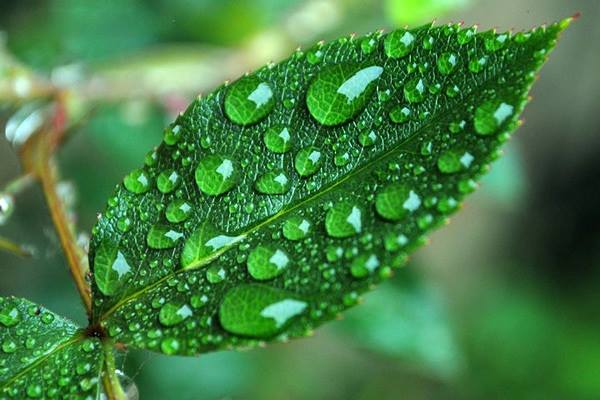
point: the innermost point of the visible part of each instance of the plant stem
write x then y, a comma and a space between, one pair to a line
48, 179
14, 248
110, 380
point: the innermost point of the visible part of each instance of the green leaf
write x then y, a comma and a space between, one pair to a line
43, 355
300, 186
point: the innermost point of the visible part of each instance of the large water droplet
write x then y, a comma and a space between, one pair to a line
343, 220
138, 181
398, 44
168, 180
364, 265
216, 174
249, 100
266, 262
278, 139
178, 210
162, 237
202, 244
10, 316
447, 63
258, 311
414, 90
308, 161
274, 182
395, 201
296, 228
490, 115
340, 92
111, 269
174, 313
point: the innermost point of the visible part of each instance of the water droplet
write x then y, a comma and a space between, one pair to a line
138, 181
414, 90
308, 161
278, 139
495, 42
274, 182
341, 159
34, 391
178, 210
368, 45
203, 243
9, 346
215, 274
168, 180
343, 220
249, 100
398, 44
364, 265
447, 63
266, 263
367, 138
340, 92
172, 135
258, 311
216, 174
111, 268
464, 36
162, 237
452, 161
399, 114
170, 346
174, 313
296, 228
395, 201
10, 316
490, 115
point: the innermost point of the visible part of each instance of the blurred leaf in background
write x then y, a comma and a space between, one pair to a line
411, 12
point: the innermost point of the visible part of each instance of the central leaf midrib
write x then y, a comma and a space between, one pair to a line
301, 203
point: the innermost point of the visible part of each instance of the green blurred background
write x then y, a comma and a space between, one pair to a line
502, 304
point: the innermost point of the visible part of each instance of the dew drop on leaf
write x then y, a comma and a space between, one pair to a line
278, 139
257, 310
266, 263
399, 114
162, 237
340, 92
344, 219
273, 182
249, 100
170, 346
490, 115
399, 44
367, 138
111, 268
174, 313
178, 210
308, 161
216, 174
216, 274
172, 135
10, 316
202, 243
395, 201
296, 228
363, 265
415, 90
137, 181
447, 63
167, 181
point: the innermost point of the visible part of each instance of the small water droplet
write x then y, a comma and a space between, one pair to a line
216, 174
415, 90
168, 180
249, 100
172, 135
367, 138
170, 346
10, 316
178, 211
400, 115
364, 265
447, 63
202, 244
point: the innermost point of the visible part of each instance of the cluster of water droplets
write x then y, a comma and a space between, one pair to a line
29, 333
239, 228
